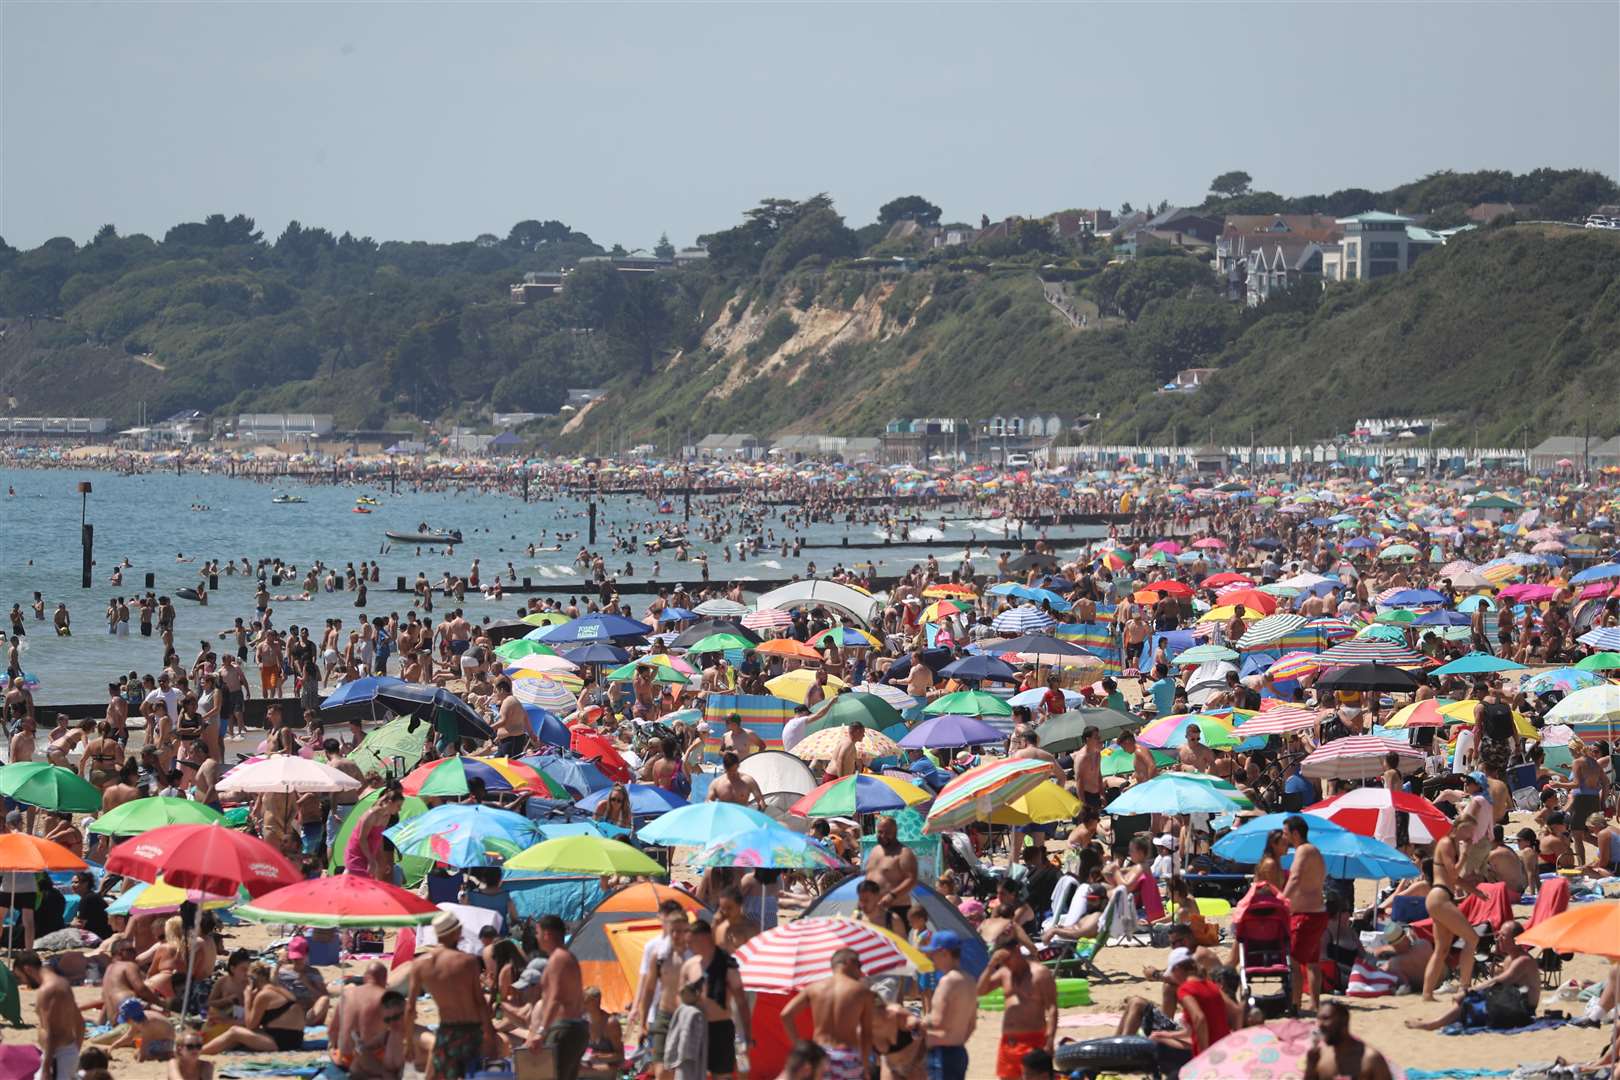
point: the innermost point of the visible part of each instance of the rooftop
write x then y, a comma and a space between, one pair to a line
1372, 216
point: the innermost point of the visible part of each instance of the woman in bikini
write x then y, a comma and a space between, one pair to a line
274, 1019
615, 809
1270, 869
1446, 887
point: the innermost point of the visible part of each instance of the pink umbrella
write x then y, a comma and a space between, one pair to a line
1169, 547
767, 619
1280, 721
1547, 547
1359, 757
1270, 1051
1209, 542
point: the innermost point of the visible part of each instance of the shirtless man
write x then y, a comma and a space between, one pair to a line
1026, 745
1088, 780
739, 740
733, 928
1195, 755
953, 1010
1337, 1053
1143, 766
1030, 1019
22, 743
846, 759
123, 980
723, 1001
358, 1035
658, 989
893, 867
511, 723
117, 713
61, 1024
1519, 970
559, 1020
733, 787
1308, 919
841, 1011
466, 1027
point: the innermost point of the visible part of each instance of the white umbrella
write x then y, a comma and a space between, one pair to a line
544, 664
721, 608
889, 693
283, 773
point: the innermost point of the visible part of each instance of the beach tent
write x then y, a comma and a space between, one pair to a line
861, 606
782, 778
599, 960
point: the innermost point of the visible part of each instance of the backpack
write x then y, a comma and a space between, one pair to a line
680, 782
1497, 720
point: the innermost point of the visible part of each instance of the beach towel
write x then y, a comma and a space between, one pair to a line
1544, 1024
404, 948
1368, 981
1552, 900
1454, 1074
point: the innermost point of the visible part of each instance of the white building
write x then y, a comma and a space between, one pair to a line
1376, 244
283, 427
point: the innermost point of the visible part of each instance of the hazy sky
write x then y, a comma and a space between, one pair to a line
440, 121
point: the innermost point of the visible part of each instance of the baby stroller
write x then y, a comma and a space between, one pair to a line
1260, 928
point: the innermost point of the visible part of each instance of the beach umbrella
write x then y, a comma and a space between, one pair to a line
980, 667
789, 648
1603, 572
892, 694
1462, 712
1564, 680
676, 614
579, 776
1370, 811
516, 650
205, 857
968, 703
661, 674
544, 618
598, 652
795, 685
284, 774
843, 899
1346, 854
447, 778
1359, 757
1274, 1050
1268, 631
396, 746
854, 707
1049, 650
951, 731
719, 643
1592, 928
768, 619
1369, 677
547, 727
451, 715
973, 795
701, 630
140, 815
1204, 654
719, 607
702, 824
1047, 803
847, 637
545, 693
864, 793
646, 800
343, 901
950, 590
1603, 661
1279, 721
824, 744
769, 847
1605, 638
361, 695
796, 954
1064, 732
1253, 600
1479, 663
1033, 697
1590, 713
414, 868
1116, 762
1369, 651
598, 626
545, 665
940, 610
1172, 793
22, 853
590, 855
463, 835
1024, 619
158, 898
36, 783
1170, 732
596, 748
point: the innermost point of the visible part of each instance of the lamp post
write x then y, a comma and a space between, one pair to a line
87, 532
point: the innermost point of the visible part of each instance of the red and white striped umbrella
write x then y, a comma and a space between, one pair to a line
1370, 811
1280, 721
1359, 757
799, 953
768, 619
1369, 651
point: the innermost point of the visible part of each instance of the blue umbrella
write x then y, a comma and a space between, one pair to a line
979, 668
576, 774
1413, 598
702, 824
646, 800
597, 653
462, 835
1603, 572
1476, 663
1346, 854
1170, 793
361, 691
677, 614
1361, 542
1034, 595
951, 730
547, 728
582, 828
1441, 617
412, 699
599, 626
1604, 638
773, 847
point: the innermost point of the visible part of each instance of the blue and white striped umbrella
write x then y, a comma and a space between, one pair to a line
1604, 638
549, 695
1024, 619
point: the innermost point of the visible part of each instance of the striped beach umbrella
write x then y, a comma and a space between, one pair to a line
1604, 638
544, 692
1369, 651
1590, 713
892, 694
1292, 666
1371, 811
768, 619
1332, 630
798, 953
975, 794
1281, 721
863, 793
1270, 630
1359, 757
448, 777
722, 608
1024, 619
1424, 713
1170, 732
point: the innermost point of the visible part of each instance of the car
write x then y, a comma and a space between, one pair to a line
1017, 461
1598, 221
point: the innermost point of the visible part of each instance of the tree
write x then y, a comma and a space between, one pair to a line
1125, 209
664, 249
1231, 183
105, 235
532, 235
909, 207
486, 240
1173, 334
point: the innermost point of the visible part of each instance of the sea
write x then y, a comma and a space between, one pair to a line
169, 525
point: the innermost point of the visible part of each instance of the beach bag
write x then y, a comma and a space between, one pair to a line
681, 782
1505, 1007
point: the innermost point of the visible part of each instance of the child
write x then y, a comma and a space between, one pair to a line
921, 938
686, 1051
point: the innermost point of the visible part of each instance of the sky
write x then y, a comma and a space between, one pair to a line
441, 121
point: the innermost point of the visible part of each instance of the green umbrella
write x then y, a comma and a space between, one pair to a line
517, 650
720, 643
1062, 733
582, 854
853, 707
377, 751
1603, 661
1396, 617
415, 868
1116, 762
968, 703
49, 787
661, 673
140, 815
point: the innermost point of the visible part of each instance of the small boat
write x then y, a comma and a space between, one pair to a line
284, 500
452, 537
360, 510
367, 500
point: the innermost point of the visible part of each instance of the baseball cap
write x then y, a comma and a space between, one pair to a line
945, 941
1479, 778
1179, 957
298, 948
531, 974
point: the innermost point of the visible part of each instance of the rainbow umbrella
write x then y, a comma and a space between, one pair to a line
1170, 732
343, 901
159, 898
863, 793
974, 795
941, 610
1115, 559
447, 778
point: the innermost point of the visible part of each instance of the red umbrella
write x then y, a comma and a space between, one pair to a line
1364, 809
343, 900
593, 746
1169, 585
204, 857
1251, 599
1215, 581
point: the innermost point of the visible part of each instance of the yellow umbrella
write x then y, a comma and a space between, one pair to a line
795, 685
1049, 802
1463, 711
1219, 614
825, 743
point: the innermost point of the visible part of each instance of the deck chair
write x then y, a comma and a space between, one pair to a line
1067, 887
1080, 959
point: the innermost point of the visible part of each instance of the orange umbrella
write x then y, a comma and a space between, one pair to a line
21, 853
1251, 599
1587, 928
788, 647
